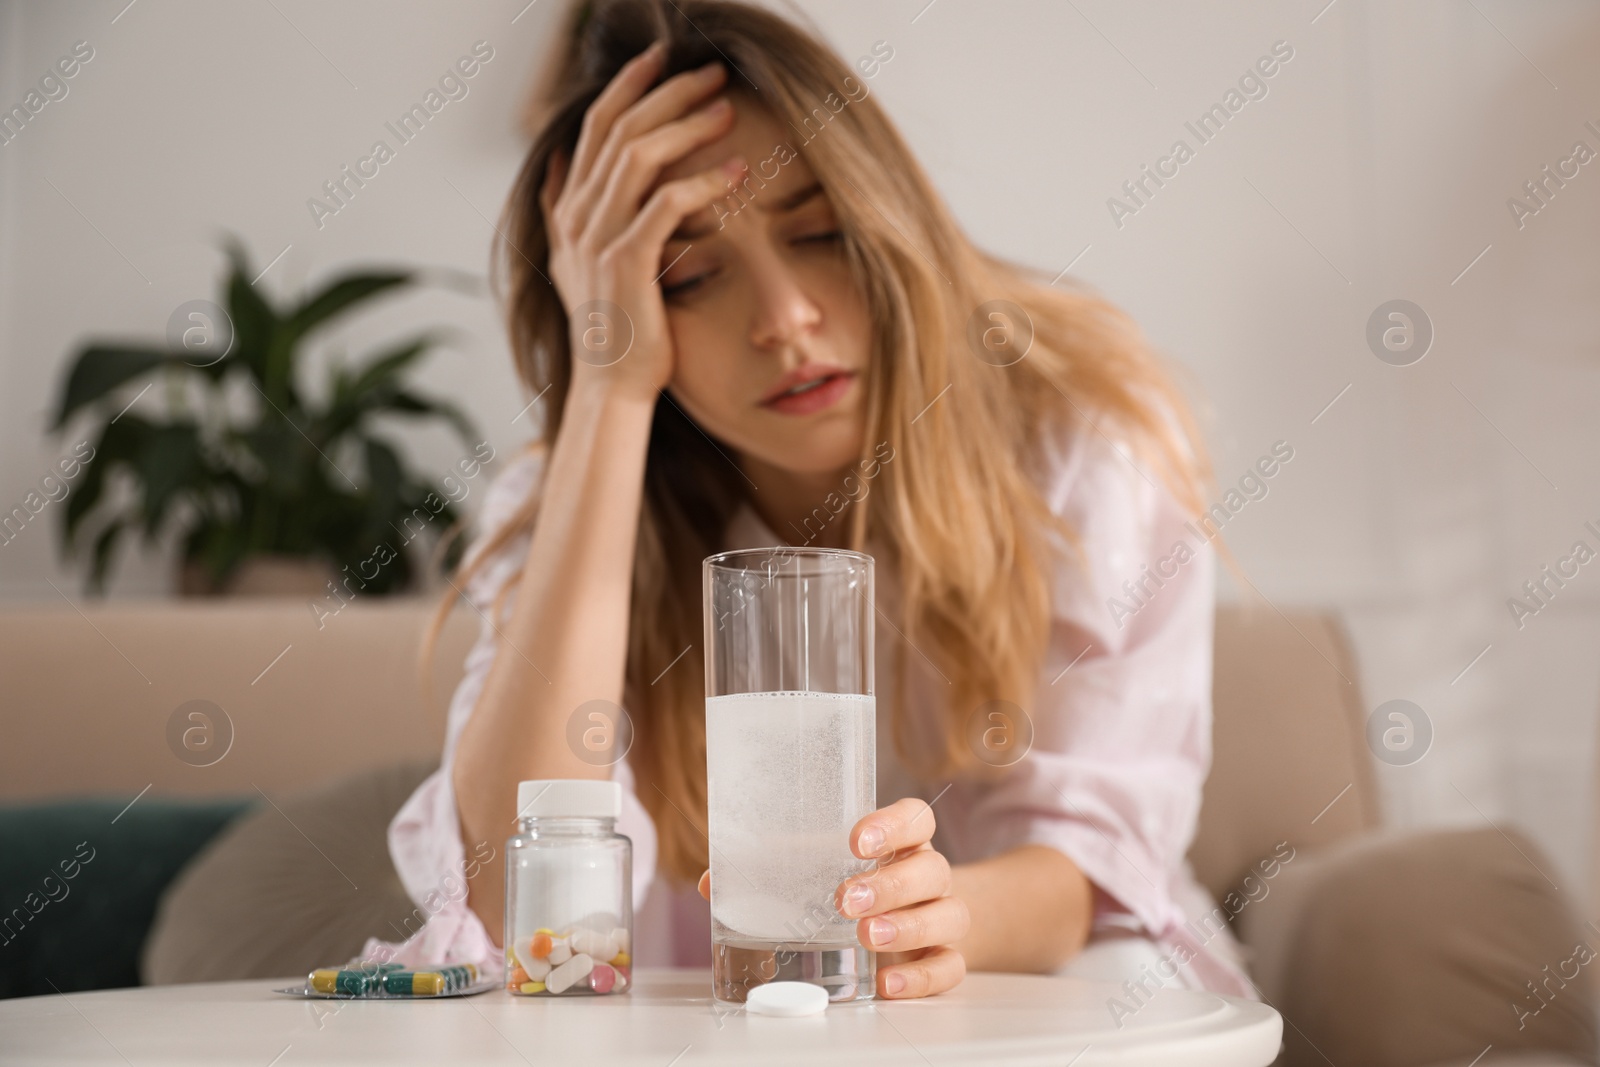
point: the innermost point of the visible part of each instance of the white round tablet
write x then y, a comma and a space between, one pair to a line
786, 998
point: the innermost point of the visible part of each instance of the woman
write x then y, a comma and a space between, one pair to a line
749, 320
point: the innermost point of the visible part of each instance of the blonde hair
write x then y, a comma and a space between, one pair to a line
965, 529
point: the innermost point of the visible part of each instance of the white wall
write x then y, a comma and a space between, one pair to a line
1378, 166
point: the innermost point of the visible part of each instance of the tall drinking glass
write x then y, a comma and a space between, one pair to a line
791, 765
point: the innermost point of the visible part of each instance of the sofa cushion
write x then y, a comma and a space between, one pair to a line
79, 882
1425, 948
1289, 757
308, 697
300, 883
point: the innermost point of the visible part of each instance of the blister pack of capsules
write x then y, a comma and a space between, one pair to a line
369, 980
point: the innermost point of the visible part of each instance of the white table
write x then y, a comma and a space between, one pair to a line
987, 1019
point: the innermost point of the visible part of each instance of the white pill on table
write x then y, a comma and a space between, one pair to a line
568, 974
620, 936
786, 999
560, 951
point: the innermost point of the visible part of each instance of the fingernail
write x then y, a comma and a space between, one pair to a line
717, 107
858, 898
710, 70
733, 167
871, 842
894, 982
880, 931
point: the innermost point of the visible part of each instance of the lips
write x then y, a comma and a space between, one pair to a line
817, 395
804, 379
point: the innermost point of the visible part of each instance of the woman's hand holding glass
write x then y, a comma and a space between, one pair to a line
906, 911
905, 907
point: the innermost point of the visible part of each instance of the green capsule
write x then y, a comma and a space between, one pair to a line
430, 983
349, 983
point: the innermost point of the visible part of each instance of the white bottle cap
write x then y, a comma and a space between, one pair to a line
569, 798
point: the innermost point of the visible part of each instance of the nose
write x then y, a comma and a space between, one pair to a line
784, 312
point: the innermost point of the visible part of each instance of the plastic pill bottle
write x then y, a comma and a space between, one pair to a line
569, 890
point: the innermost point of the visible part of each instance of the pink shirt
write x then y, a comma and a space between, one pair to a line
1121, 747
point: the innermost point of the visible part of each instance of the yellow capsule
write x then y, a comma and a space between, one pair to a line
532, 987
621, 959
545, 930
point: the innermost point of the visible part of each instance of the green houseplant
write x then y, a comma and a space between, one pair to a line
293, 476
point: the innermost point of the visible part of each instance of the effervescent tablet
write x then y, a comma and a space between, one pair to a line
786, 999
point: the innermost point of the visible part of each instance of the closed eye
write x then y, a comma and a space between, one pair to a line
670, 291
689, 284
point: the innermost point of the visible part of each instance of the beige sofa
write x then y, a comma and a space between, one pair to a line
90, 692
1377, 948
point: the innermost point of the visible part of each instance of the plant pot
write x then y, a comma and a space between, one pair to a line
259, 576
